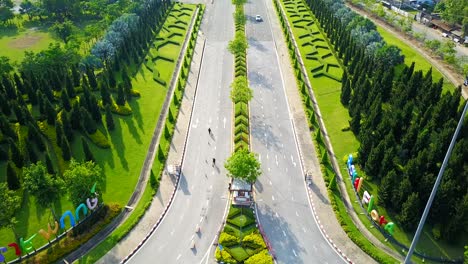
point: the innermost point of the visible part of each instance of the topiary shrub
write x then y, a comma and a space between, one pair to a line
254, 240
241, 128
228, 240
241, 119
263, 257
224, 256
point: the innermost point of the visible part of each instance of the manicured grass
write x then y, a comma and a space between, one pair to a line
239, 253
412, 55
129, 144
14, 42
147, 196
336, 116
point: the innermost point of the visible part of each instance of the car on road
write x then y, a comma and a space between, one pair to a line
258, 18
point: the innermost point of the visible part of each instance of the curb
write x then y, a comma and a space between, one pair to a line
155, 226
314, 211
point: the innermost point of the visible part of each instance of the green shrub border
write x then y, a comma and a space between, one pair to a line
72, 240
334, 194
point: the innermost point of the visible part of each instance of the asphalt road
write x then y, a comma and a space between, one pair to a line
201, 197
432, 34
283, 207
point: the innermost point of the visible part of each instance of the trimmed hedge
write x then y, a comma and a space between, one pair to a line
224, 256
254, 240
228, 239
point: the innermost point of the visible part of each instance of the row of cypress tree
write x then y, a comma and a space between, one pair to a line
404, 122
60, 88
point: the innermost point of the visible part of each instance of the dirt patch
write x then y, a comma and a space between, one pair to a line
25, 41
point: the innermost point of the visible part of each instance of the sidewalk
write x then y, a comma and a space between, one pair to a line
167, 183
317, 191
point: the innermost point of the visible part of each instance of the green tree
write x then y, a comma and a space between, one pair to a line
466, 254
239, 44
31, 152
409, 215
120, 95
65, 100
12, 177
88, 123
109, 119
9, 203
240, 91
386, 188
16, 155
239, 17
345, 92
447, 48
5, 11
87, 151
67, 128
243, 165
105, 95
453, 11
42, 185
239, 2
66, 150
50, 112
80, 178
64, 30
49, 164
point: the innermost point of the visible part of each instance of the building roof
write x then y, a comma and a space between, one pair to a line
240, 185
442, 25
457, 33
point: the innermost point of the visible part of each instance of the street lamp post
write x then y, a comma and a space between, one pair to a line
434, 189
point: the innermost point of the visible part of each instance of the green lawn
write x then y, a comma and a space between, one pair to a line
412, 55
336, 117
129, 141
13, 42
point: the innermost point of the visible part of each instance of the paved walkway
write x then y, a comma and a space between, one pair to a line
167, 183
318, 190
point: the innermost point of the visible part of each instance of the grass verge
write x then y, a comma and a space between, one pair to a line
327, 93
158, 164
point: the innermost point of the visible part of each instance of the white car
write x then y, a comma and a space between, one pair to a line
258, 18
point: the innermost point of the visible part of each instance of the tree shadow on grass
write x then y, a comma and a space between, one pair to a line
119, 146
131, 127
136, 113
278, 233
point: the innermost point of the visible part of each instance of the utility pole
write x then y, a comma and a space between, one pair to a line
434, 189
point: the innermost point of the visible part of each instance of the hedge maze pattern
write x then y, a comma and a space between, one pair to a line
312, 40
239, 224
170, 35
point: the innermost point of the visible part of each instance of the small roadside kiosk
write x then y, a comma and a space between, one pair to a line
241, 192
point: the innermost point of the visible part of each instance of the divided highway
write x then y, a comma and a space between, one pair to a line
283, 207
201, 197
